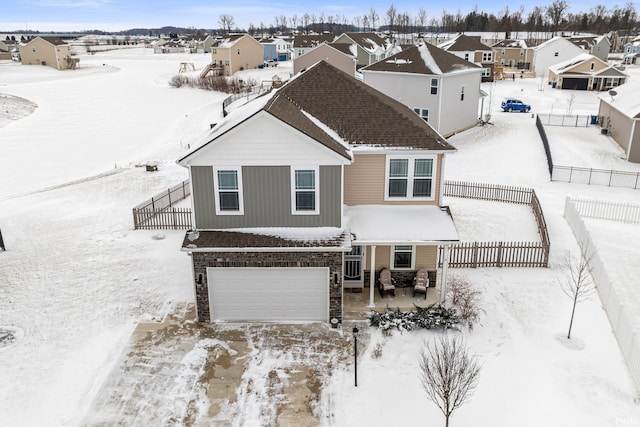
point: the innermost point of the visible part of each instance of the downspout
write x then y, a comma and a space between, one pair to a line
440, 89
441, 180
372, 277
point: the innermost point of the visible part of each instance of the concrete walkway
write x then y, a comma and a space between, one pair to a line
181, 372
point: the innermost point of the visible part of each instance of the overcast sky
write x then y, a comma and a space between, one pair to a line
117, 15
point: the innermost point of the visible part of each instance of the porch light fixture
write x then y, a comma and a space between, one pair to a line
355, 355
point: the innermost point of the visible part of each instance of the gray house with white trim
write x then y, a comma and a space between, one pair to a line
302, 194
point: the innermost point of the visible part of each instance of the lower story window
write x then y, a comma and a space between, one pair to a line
402, 256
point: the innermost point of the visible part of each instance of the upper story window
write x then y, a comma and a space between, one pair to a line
300, 52
215, 51
504, 51
521, 52
434, 86
422, 112
462, 93
305, 198
593, 65
486, 72
238, 51
487, 56
555, 53
228, 191
409, 177
466, 56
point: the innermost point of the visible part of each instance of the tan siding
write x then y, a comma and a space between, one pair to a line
426, 257
383, 254
585, 67
364, 181
634, 153
41, 52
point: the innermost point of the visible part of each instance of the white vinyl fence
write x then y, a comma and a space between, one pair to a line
620, 316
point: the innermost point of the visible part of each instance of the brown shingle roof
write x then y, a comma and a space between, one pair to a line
54, 40
423, 59
366, 40
312, 40
342, 47
359, 114
246, 240
464, 43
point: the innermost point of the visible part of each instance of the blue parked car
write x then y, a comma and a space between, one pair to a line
512, 104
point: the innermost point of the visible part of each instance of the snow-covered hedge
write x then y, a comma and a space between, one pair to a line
434, 316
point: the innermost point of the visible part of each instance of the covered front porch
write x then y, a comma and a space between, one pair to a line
356, 302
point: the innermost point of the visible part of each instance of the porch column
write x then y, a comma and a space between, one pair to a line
372, 277
445, 267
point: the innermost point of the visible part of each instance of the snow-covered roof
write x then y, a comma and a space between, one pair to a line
626, 99
396, 224
566, 65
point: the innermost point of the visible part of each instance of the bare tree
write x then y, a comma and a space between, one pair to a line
392, 14
421, 19
555, 12
373, 18
578, 285
294, 21
449, 374
226, 22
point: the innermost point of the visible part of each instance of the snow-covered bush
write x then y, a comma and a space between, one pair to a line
465, 299
434, 316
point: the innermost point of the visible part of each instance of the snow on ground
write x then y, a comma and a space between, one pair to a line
76, 277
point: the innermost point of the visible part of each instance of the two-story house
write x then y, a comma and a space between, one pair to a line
513, 53
50, 51
308, 190
472, 50
304, 43
598, 46
442, 88
235, 52
340, 56
631, 51
367, 47
551, 52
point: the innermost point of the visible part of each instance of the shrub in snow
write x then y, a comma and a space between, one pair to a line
434, 316
465, 299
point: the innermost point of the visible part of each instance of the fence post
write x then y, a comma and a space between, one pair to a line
590, 173
153, 203
169, 194
610, 177
475, 254
135, 219
499, 264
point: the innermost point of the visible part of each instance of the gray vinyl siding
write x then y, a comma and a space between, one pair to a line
267, 199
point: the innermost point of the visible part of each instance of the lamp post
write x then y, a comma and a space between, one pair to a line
355, 355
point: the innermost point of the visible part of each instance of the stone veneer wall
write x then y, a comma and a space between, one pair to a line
202, 260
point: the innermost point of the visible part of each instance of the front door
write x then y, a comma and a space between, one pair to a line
354, 267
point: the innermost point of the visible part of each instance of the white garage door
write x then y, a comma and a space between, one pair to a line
269, 294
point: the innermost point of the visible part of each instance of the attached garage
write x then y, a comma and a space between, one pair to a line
269, 294
575, 83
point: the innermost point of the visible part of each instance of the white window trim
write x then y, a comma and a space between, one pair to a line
420, 113
316, 171
238, 170
413, 258
410, 177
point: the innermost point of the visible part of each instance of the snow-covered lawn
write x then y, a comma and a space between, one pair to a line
76, 278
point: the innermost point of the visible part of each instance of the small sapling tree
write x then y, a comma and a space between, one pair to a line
578, 284
449, 374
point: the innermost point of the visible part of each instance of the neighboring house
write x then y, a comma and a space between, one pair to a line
338, 55
598, 46
310, 189
49, 51
236, 52
619, 114
284, 45
304, 43
171, 46
585, 72
551, 52
202, 43
270, 49
472, 50
367, 47
632, 51
513, 53
440, 87
5, 50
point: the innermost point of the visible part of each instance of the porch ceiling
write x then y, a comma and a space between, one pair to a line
394, 224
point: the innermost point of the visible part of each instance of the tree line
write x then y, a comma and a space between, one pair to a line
553, 18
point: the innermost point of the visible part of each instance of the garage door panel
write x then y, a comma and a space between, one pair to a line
269, 294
